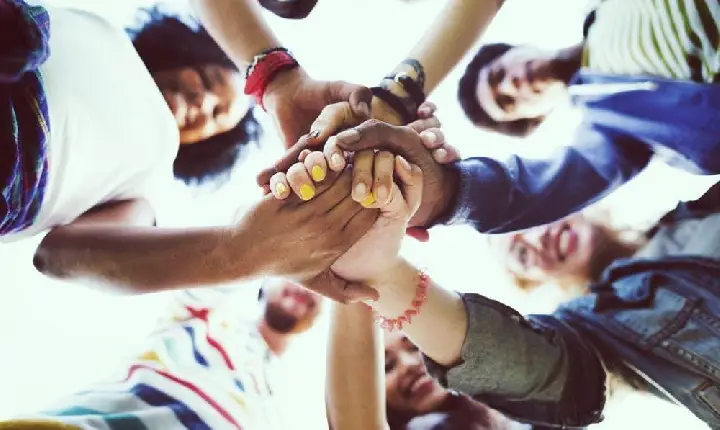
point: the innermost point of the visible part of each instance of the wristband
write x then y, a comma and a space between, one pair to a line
394, 102
412, 88
264, 68
397, 323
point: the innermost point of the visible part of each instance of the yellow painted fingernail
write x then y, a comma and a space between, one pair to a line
306, 192
369, 200
318, 173
280, 189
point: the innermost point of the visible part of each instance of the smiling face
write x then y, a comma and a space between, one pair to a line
408, 386
520, 84
561, 250
205, 100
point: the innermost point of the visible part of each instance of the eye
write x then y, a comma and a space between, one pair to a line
521, 252
389, 365
496, 75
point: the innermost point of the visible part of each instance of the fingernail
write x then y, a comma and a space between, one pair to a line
424, 111
382, 192
318, 173
404, 163
336, 160
349, 136
306, 192
280, 189
364, 108
368, 201
360, 189
314, 134
441, 154
430, 136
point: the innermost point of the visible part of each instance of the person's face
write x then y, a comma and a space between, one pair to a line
408, 386
520, 84
561, 250
205, 100
290, 308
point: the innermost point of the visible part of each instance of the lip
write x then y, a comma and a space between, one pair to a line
421, 387
564, 242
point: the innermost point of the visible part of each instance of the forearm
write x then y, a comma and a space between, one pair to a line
440, 326
518, 193
355, 378
137, 260
452, 34
532, 369
237, 26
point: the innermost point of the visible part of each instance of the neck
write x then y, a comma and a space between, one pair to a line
567, 62
276, 342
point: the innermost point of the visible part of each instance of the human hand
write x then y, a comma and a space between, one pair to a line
334, 118
440, 182
295, 100
378, 249
301, 240
380, 245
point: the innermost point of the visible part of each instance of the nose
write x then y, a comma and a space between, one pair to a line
411, 361
536, 238
509, 85
205, 101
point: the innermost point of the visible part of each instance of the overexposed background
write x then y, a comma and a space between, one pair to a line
58, 338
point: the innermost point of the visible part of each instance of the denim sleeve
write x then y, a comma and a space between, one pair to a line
498, 197
535, 369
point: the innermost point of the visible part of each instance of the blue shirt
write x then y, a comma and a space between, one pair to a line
628, 120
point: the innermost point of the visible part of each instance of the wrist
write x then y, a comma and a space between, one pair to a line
282, 87
449, 197
242, 260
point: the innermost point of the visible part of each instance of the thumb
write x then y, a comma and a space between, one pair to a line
378, 135
360, 293
333, 118
359, 96
418, 233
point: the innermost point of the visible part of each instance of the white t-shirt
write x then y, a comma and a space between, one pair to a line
112, 137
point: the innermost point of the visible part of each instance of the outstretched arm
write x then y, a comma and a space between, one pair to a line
485, 349
282, 238
355, 396
451, 35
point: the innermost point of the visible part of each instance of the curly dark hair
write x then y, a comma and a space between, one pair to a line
468, 98
163, 42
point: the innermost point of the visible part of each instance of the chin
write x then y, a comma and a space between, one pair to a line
433, 401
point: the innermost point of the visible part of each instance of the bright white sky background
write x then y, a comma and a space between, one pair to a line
57, 337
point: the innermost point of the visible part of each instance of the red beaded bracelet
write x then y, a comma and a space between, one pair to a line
263, 70
391, 324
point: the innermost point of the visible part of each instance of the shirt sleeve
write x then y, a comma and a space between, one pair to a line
535, 369
498, 197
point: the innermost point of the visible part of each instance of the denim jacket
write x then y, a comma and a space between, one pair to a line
653, 321
627, 121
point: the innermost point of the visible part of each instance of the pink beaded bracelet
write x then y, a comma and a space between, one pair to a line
391, 324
